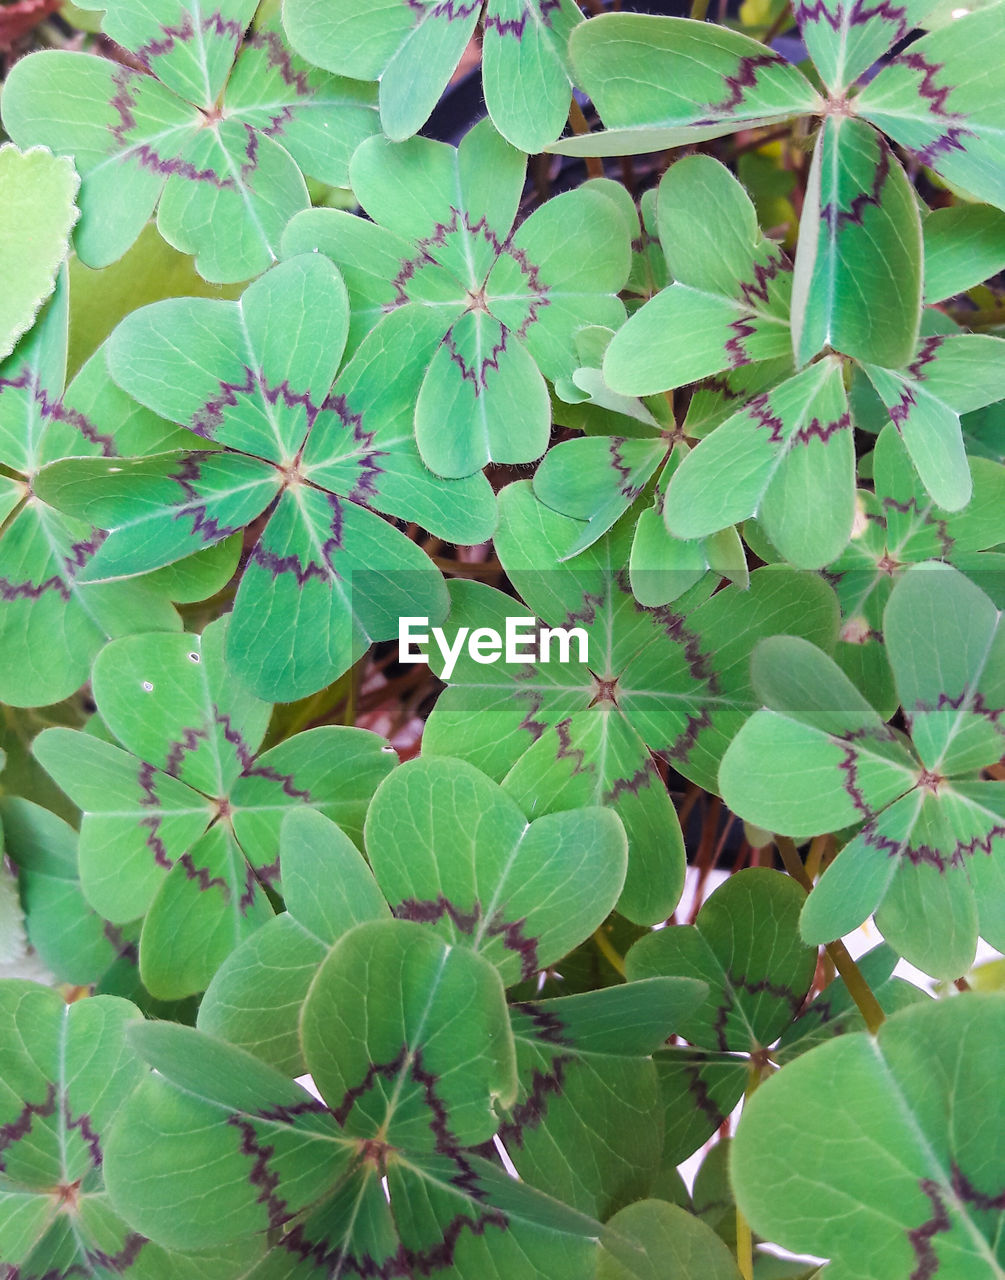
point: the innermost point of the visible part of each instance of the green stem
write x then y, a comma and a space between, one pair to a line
744, 1238
859, 990
613, 958
699, 9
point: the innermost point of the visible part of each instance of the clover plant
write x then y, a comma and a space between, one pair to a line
490, 608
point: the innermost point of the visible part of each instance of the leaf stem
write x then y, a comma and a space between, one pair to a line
744, 1238
699, 10
577, 122
613, 958
859, 990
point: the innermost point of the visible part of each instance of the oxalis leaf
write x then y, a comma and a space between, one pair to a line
790, 459
643, 1239
53, 623
596, 479
256, 995
896, 526
450, 848
728, 305
413, 49
858, 269
75, 944
214, 131
940, 99
65, 1073
844, 40
948, 376
37, 213
254, 378
408, 1041
894, 1130
568, 731
507, 300
586, 1123
182, 825
929, 853
757, 975
662, 82
522, 894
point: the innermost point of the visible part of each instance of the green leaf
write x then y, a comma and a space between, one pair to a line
211, 892
858, 270
947, 650
641, 1241
193, 59
255, 376
281, 1159
508, 303
699, 1088
745, 944
585, 1124
449, 848
670, 679
72, 940
319, 119
729, 303
517, 702
52, 622
944, 104
137, 820
37, 213
964, 245
256, 995
407, 1038
250, 374
187, 826
157, 510
185, 1162
893, 1129
525, 68
834, 1013
927, 854
662, 82
845, 41
840, 761
596, 758
345, 575
220, 152
67, 1071
170, 700
789, 458
948, 376
596, 479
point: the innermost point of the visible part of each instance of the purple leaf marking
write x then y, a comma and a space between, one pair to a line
515, 27
20, 1126
734, 349
764, 272
834, 218
213, 24
208, 419
822, 430
742, 79
936, 96
303, 571
429, 910
921, 1237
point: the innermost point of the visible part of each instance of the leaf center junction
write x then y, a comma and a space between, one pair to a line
605, 690
930, 781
